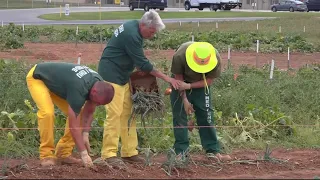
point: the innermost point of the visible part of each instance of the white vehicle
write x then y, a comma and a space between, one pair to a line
213, 5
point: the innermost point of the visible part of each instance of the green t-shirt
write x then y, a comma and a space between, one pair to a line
71, 82
123, 53
179, 66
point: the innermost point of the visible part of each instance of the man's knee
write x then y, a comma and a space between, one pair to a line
46, 113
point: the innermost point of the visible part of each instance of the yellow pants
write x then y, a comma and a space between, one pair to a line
116, 125
45, 101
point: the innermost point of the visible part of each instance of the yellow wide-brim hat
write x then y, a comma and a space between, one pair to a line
201, 57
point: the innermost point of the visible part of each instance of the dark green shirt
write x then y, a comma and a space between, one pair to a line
179, 66
71, 82
123, 53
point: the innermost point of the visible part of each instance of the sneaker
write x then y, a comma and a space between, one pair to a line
69, 160
133, 159
48, 162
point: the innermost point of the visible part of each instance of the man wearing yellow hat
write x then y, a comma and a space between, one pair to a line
197, 64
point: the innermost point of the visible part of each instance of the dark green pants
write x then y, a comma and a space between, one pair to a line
204, 116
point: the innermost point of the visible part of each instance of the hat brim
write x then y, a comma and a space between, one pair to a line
201, 68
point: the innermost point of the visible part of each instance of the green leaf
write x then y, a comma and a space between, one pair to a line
10, 136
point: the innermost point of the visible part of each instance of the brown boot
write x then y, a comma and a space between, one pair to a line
133, 159
114, 162
48, 162
69, 160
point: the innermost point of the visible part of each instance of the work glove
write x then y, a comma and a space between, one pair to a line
86, 159
85, 137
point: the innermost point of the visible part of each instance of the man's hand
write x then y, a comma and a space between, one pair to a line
85, 136
175, 83
188, 107
183, 86
86, 159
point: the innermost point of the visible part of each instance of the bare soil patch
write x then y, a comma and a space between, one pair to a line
299, 163
91, 53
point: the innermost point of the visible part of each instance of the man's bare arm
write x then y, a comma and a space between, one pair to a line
201, 84
183, 92
87, 115
160, 75
75, 129
166, 78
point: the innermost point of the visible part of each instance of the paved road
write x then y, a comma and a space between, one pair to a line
30, 16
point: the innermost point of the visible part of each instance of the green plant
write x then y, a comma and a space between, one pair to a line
12, 36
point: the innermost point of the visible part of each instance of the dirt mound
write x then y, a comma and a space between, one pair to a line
298, 163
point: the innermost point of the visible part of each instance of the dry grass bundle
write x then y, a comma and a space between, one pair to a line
146, 103
176, 161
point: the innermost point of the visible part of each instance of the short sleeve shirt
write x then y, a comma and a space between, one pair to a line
69, 81
124, 52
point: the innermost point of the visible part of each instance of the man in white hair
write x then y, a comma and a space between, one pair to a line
123, 53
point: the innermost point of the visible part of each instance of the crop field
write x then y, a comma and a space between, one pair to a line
267, 117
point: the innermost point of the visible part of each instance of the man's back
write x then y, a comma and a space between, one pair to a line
71, 82
117, 60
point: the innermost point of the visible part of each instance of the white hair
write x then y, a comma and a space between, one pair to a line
152, 19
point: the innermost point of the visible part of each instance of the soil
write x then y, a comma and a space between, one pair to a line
296, 163
91, 53
301, 163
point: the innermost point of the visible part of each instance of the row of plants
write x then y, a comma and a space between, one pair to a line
13, 36
257, 110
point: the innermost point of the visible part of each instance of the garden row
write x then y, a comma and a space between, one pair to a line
14, 36
256, 108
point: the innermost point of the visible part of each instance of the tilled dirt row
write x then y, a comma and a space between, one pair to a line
91, 54
293, 163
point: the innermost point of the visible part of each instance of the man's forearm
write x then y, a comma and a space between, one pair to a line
77, 136
87, 115
87, 120
183, 95
74, 125
201, 84
160, 75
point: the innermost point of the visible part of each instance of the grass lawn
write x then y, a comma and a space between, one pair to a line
167, 15
26, 4
294, 24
